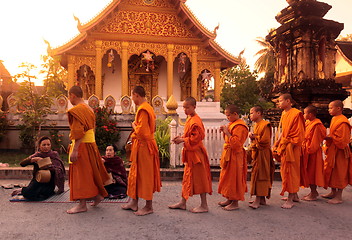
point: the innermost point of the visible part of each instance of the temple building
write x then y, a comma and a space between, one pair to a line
7, 86
344, 68
158, 44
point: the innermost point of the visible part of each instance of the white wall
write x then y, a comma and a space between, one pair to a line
112, 82
162, 80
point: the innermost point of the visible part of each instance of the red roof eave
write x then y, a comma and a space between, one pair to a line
195, 21
94, 21
224, 53
69, 45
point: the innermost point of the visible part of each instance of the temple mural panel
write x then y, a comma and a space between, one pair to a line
146, 23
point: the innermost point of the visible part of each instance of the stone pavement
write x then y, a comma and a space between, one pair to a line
314, 220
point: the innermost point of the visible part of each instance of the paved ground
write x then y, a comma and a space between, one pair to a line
314, 220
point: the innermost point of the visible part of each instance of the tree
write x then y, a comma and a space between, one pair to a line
265, 64
34, 106
55, 76
266, 60
265, 85
241, 88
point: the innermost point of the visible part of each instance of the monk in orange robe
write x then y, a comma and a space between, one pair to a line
233, 163
338, 163
289, 148
87, 171
262, 159
312, 152
196, 176
144, 175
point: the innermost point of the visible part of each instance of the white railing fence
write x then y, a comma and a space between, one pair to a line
213, 143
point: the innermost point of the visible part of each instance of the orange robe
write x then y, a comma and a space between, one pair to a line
290, 149
144, 175
263, 165
87, 174
313, 163
196, 176
233, 163
338, 165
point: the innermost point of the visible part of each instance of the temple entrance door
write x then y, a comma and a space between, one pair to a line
146, 81
145, 74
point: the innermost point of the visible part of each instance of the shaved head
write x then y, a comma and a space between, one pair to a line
139, 90
258, 108
287, 96
232, 108
337, 103
191, 100
77, 91
311, 109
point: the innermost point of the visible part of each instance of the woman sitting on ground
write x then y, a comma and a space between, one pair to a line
114, 165
39, 191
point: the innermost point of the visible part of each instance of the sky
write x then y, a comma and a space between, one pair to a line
24, 24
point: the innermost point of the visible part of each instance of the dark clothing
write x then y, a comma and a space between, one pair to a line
115, 166
37, 191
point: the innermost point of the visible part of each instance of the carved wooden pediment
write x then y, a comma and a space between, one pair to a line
145, 23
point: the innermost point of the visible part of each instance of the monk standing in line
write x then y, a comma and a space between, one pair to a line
144, 175
262, 159
289, 148
312, 152
233, 163
196, 176
338, 165
87, 171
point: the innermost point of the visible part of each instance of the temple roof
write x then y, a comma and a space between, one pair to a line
183, 12
345, 48
3, 71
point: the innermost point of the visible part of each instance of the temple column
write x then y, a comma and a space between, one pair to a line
194, 72
217, 82
70, 71
98, 69
124, 70
170, 69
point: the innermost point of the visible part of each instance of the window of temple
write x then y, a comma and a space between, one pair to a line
86, 80
182, 66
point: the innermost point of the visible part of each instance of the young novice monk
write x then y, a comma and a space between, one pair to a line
233, 175
289, 147
196, 177
144, 175
338, 165
263, 165
312, 152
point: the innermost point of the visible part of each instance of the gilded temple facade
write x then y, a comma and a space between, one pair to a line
158, 44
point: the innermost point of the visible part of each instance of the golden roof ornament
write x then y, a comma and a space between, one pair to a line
171, 105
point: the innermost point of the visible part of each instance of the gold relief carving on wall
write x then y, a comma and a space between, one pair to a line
87, 46
156, 48
89, 61
183, 48
111, 45
152, 3
206, 65
204, 53
146, 23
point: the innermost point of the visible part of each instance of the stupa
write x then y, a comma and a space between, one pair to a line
305, 52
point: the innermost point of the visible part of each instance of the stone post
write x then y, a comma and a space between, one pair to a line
170, 69
194, 72
173, 133
124, 65
217, 82
71, 71
98, 69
